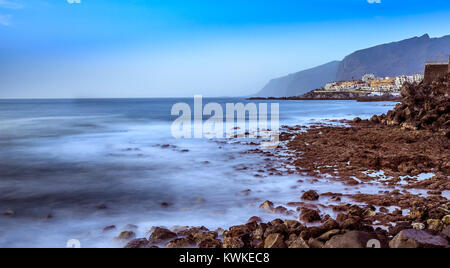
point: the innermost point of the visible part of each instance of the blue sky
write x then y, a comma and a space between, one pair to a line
168, 48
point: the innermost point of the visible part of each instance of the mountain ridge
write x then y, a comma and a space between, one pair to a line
391, 59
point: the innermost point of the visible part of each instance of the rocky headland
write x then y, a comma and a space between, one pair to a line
405, 154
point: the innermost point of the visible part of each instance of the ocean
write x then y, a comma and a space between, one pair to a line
70, 168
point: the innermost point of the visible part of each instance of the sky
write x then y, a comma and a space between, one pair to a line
180, 48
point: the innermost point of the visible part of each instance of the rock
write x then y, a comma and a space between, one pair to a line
255, 219
314, 243
357, 120
233, 242
181, 243
294, 227
435, 225
417, 239
310, 215
274, 241
350, 224
352, 239
200, 236
446, 232
138, 243
446, 220
326, 236
331, 225
310, 196
9, 213
131, 227
299, 243
109, 228
210, 243
267, 206
126, 235
418, 226
161, 235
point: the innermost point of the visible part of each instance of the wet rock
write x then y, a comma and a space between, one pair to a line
310, 196
210, 243
126, 235
200, 236
294, 227
299, 243
276, 227
9, 213
255, 219
435, 225
161, 235
314, 243
352, 239
357, 120
417, 239
400, 226
350, 224
138, 243
310, 215
326, 236
186, 242
109, 228
275, 241
331, 225
267, 206
312, 232
446, 220
233, 242
446, 232
418, 226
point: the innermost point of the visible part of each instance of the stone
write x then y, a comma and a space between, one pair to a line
200, 236
294, 227
299, 243
435, 225
357, 120
310, 215
331, 225
233, 242
352, 239
310, 196
109, 228
186, 242
274, 241
210, 243
326, 236
138, 243
418, 226
314, 243
161, 235
446, 232
411, 238
255, 219
267, 206
446, 220
126, 235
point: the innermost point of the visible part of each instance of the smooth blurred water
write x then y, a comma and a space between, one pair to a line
66, 158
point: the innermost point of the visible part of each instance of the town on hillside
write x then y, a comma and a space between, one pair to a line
372, 86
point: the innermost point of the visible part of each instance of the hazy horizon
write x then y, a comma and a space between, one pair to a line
153, 49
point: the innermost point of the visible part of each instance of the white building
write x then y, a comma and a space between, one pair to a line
367, 77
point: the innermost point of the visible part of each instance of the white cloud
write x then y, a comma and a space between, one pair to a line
74, 1
374, 1
5, 20
10, 4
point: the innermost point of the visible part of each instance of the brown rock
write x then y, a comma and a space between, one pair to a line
310, 196
274, 241
210, 243
353, 239
417, 239
267, 206
310, 215
233, 242
138, 243
255, 219
326, 236
181, 243
314, 243
161, 235
109, 228
299, 243
127, 235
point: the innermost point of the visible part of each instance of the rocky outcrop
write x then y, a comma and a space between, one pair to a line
412, 238
424, 106
352, 239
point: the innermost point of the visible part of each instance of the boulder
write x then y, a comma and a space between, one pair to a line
267, 206
161, 235
352, 239
210, 243
233, 242
310, 196
299, 243
138, 243
186, 242
126, 235
412, 238
310, 215
275, 241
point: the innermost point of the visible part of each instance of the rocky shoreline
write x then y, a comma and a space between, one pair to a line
405, 155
